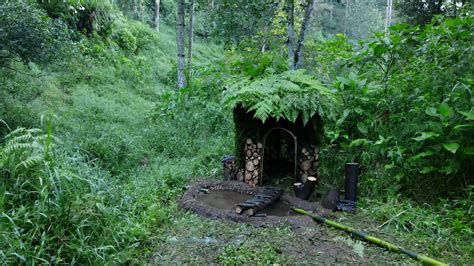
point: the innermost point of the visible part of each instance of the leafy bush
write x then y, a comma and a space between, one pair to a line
408, 109
28, 34
125, 39
86, 16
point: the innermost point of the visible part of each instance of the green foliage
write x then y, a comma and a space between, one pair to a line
125, 39
364, 19
431, 225
421, 13
86, 16
234, 20
285, 95
407, 107
105, 190
114, 173
28, 34
327, 58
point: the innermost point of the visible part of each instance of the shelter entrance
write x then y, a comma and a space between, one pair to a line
279, 160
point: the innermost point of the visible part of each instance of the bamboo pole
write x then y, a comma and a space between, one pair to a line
379, 242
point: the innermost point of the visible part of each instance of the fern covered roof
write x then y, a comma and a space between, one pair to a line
286, 95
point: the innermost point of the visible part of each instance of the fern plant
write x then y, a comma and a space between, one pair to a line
286, 95
23, 156
25, 148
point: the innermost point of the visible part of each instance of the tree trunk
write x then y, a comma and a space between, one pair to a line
135, 8
180, 44
190, 36
157, 15
290, 8
390, 13
141, 14
304, 29
346, 17
388, 16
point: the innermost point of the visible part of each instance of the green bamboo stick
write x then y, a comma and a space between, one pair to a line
379, 242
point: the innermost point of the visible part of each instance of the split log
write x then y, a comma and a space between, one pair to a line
249, 141
248, 153
304, 191
249, 166
259, 145
248, 176
255, 173
305, 165
298, 189
309, 187
256, 161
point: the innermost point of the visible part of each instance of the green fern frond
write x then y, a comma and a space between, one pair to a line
30, 161
16, 147
288, 95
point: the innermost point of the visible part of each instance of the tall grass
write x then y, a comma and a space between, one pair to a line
97, 191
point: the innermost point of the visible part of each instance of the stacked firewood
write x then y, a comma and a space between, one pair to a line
308, 172
308, 163
230, 168
251, 171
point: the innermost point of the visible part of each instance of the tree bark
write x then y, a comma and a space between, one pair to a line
135, 8
190, 36
290, 8
388, 16
304, 29
346, 17
157, 15
141, 14
180, 44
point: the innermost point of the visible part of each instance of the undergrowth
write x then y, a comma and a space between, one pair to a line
95, 182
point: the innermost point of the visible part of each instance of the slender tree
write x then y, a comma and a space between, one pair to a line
290, 7
295, 55
180, 45
346, 16
388, 16
135, 8
190, 36
157, 15
308, 14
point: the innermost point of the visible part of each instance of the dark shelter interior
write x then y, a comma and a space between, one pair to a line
282, 140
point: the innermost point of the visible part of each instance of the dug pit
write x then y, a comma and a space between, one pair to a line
217, 200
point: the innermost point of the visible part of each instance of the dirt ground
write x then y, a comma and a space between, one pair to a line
216, 239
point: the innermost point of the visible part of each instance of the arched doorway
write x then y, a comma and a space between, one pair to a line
279, 156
